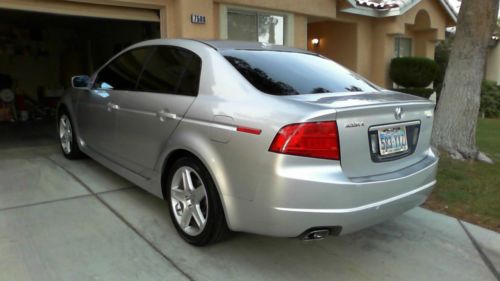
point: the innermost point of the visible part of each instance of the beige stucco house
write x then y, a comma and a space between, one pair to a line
360, 34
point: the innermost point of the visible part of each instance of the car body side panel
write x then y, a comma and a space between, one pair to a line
141, 132
97, 126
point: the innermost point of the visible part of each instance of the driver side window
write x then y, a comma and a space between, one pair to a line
122, 73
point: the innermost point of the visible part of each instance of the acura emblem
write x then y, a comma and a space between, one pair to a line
398, 112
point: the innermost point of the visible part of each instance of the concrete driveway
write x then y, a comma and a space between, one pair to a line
75, 220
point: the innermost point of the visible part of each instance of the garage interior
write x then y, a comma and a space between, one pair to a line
39, 53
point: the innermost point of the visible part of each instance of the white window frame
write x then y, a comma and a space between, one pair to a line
397, 43
288, 20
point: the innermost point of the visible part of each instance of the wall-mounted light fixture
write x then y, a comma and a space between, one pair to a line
315, 42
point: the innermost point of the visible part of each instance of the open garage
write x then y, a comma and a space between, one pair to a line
41, 49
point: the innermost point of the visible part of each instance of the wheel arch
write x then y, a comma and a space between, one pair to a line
208, 155
169, 162
178, 153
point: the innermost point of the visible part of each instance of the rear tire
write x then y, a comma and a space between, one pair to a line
194, 204
67, 137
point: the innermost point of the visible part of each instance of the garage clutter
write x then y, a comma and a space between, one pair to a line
23, 53
13, 103
39, 53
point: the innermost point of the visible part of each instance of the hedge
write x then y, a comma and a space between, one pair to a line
413, 72
421, 92
490, 99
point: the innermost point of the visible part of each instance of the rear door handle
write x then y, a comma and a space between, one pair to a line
112, 106
164, 114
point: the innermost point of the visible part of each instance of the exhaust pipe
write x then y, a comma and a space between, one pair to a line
315, 235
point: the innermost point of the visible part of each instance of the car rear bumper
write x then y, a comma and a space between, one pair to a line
322, 197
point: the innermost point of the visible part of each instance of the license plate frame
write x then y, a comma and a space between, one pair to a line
392, 140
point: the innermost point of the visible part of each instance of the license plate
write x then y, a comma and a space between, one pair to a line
392, 140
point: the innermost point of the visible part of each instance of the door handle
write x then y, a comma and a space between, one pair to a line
163, 115
112, 106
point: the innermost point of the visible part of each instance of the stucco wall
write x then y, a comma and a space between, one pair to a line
493, 65
376, 37
338, 41
322, 8
438, 17
300, 31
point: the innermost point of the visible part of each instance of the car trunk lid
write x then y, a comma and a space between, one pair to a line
359, 118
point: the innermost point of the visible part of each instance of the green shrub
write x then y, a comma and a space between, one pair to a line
413, 72
490, 99
421, 92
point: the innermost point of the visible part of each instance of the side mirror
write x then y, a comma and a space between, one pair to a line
80, 82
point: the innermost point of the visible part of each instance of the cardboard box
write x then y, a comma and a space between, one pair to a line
5, 114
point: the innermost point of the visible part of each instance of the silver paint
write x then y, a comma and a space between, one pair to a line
136, 139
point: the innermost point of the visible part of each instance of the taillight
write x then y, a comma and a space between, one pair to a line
312, 139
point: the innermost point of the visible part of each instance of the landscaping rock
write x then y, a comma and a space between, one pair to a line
484, 158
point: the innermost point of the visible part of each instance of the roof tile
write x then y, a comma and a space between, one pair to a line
383, 4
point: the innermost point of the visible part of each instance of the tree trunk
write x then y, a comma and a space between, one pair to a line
458, 107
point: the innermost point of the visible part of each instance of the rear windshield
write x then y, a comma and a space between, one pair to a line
287, 73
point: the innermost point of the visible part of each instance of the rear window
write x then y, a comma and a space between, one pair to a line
287, 73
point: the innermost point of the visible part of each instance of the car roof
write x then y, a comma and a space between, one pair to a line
222, 45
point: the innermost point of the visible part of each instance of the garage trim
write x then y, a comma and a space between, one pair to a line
83, 9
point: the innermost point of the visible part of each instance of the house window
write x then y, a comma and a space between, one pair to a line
256, 26
402, 47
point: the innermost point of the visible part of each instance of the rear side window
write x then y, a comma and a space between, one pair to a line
289, 73
123, 72
171, 70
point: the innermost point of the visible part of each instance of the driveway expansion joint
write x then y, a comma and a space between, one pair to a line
121, 218
64, 199
483, 256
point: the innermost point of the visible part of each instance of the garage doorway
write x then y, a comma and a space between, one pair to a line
40, 52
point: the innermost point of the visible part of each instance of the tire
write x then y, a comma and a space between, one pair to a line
197, 214
67, 137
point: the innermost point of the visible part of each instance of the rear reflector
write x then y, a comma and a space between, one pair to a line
249, 130
313, 139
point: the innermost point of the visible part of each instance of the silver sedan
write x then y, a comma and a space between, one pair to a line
252, 137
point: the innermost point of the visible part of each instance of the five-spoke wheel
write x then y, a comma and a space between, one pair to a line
189, 200
67, 137
65, 133
195, 206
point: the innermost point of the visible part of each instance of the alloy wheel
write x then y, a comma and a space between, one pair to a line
188, 196
65, 133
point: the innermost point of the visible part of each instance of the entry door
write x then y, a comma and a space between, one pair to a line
97, 109
148, 116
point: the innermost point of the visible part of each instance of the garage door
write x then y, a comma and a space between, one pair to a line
81, 8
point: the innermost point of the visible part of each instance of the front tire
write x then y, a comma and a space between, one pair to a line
67, 137
195, 208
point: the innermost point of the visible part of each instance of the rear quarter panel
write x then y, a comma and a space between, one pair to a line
239, 162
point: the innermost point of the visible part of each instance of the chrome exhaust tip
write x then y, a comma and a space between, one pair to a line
315, 235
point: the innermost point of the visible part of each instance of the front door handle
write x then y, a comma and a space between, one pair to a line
112, 106
164, 114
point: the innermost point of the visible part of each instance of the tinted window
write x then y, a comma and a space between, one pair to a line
288, 73
123, 72
171, 70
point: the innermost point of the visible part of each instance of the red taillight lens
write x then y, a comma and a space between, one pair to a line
314, 139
